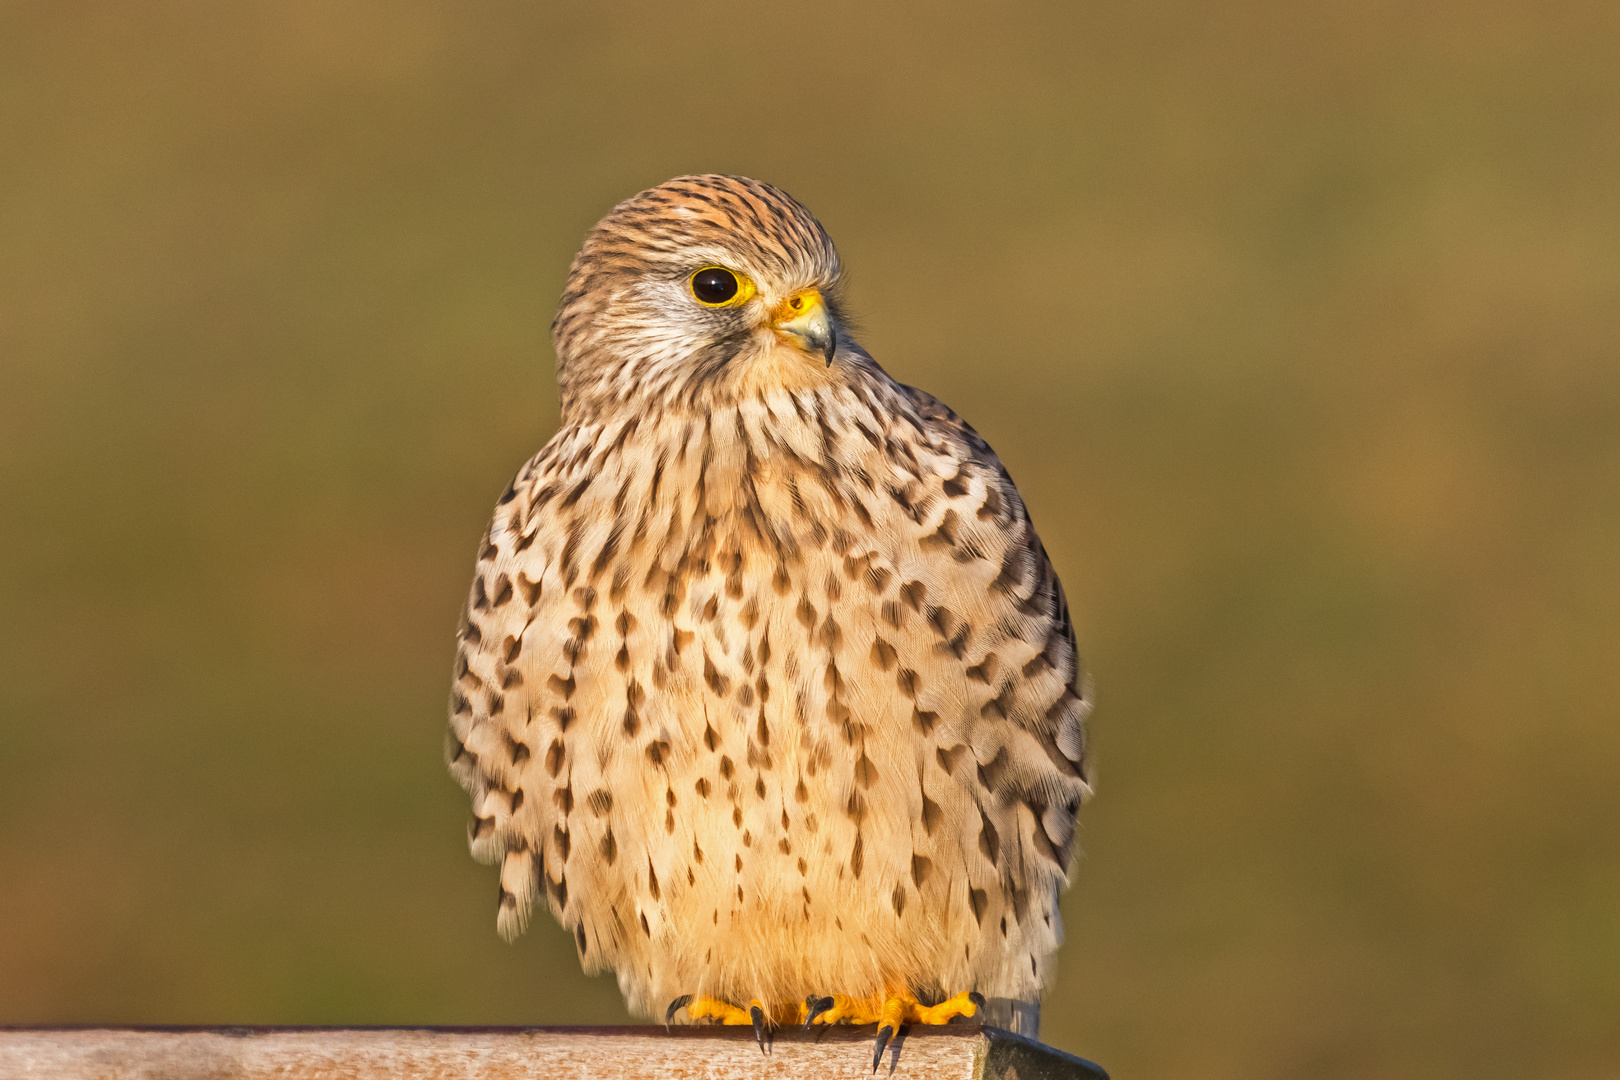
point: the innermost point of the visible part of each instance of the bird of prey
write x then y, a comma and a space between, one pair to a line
766, 686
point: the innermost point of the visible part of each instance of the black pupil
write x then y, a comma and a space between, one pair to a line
714, 285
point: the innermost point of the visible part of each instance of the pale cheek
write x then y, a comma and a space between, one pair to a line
778, 366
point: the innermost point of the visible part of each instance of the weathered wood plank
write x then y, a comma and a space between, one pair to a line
957, 1052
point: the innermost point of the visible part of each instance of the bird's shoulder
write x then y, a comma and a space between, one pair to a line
943, 421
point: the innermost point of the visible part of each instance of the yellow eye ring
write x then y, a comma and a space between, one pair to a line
716, 287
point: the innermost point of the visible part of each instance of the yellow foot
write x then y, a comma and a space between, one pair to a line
964, 1004
703, 1007
888, 1011
841, 1008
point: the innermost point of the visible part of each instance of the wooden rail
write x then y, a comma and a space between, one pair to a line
955, 1052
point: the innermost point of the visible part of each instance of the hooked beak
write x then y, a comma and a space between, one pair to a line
804, 318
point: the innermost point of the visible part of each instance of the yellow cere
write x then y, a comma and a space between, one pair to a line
798, 305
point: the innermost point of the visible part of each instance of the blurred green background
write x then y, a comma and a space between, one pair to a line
1298, 324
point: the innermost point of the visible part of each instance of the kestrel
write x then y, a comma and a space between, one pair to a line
766, 685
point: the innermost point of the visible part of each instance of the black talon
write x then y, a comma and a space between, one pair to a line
759, 1025
676, 1006
885, 1033
817, 1006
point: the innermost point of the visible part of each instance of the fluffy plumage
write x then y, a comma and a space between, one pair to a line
766, 687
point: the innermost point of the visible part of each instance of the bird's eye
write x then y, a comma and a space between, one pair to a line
715, 286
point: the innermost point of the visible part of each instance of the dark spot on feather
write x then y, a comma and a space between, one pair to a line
834, 587
932, 815
921, 867
1043, 843
984, 671
993, 772
831, 635
559, 892
718, 683
989, 842
945, 535
573, 496
991, 507
531, 589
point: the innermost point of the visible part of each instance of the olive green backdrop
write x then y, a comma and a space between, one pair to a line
1297, 323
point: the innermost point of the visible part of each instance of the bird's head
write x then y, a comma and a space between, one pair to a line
702, 287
